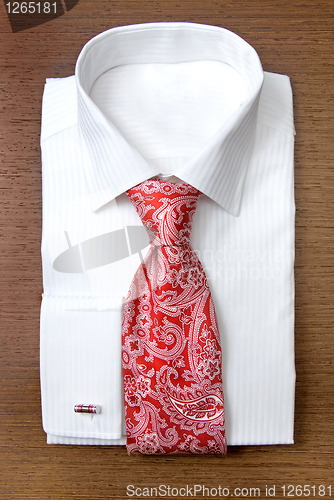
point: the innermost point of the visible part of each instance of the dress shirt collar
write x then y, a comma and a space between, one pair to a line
113, 165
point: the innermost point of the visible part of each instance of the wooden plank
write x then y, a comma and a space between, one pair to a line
293, 38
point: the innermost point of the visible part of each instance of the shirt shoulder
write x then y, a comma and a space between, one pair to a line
59, 106
276, 106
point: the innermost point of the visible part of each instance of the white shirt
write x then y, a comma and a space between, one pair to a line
189, 101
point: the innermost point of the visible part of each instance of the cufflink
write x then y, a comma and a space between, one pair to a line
87, 409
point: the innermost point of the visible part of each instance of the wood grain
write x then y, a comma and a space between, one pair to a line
293, 38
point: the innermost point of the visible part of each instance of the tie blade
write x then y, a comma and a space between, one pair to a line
171, 354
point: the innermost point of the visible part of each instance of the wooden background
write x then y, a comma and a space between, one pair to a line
291, 37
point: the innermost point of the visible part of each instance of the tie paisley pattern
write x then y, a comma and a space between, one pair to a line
171, 350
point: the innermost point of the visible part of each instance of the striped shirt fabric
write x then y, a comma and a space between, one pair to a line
181, 101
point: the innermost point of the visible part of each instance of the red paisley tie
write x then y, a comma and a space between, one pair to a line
171, 355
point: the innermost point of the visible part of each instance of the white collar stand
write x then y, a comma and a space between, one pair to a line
218, 169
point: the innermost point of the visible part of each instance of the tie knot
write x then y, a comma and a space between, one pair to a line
166, 210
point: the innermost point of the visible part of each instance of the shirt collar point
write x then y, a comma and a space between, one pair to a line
232, 209
100, 198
